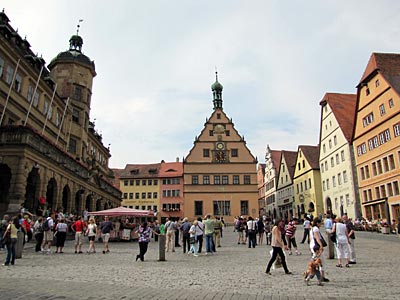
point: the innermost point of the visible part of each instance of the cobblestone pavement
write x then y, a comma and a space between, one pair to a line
234, 272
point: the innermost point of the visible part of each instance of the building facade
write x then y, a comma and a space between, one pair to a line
272, 159
261, 189
140, 186
376, 137
338, 175
220, 173
307, 182
284, 189
50, 153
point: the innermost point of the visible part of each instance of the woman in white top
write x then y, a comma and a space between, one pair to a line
61, 235
342, 242
194, 231
277, 245
91, 233
316, 242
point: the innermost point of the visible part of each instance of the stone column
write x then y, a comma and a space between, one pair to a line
20, 170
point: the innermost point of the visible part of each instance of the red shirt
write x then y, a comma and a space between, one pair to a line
78, 226
26, 224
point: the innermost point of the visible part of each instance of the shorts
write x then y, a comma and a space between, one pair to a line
78, 238
105, 237
91, 238
48, 236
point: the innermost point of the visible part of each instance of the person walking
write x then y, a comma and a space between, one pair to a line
91, 232
351, 232
61, 234
10, 236
291, 237
170, 240
144, 233
317, 245
306, 226
277, 247
260, 230
342, 242
106, 227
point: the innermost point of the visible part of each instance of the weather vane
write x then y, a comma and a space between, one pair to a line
78, 26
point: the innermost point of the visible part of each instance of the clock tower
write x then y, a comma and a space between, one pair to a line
220, 173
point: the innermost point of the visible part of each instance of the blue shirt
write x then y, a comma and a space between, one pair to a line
328, 224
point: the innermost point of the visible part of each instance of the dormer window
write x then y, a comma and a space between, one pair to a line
134, 172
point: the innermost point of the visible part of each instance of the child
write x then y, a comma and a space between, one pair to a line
313, 270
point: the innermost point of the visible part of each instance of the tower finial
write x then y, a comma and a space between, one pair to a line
216, 73
78, 26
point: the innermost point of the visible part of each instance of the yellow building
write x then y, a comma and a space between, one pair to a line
307, 182
140, 186
376, 137
220, 173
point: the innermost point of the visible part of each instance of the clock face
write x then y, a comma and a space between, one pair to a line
220, 156
220, 146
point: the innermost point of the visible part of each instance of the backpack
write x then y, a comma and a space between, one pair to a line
46, 226
237, 225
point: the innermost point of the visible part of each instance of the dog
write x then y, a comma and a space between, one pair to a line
313, 268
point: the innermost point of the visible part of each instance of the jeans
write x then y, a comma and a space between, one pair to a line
276, 251
185, 241
143, 249
200, 240
11, 253
209, 242
252, 238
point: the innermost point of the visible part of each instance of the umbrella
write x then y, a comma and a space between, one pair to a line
123, 211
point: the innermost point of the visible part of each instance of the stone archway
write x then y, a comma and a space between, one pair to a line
51, 194
78, 202
66, 199
5, 182
328, 205
98, 205
32, 190
89, 203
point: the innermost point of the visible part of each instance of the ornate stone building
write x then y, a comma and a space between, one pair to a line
50, 152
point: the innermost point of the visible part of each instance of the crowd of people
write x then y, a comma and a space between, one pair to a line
205, 233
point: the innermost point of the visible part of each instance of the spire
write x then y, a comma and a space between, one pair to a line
217, 88
76, 42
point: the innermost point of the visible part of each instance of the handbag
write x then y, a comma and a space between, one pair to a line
333, 237
6, 237
324, 244
192, 240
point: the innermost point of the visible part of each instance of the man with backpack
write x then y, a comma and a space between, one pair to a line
48, 236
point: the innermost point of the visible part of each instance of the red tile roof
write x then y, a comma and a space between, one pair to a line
171, 169
138, 171
311, 153
276, 158
290, 159
343, 107
388, 64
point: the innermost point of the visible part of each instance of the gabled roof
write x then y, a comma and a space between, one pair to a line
276, 158
138, 171
344, 107
388, 64
290, 159
171, 169
311, 154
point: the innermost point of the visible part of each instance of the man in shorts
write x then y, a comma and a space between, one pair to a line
48, 234
79, 228
106, 227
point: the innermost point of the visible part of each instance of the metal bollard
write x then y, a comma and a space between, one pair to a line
161, 247
20, 244
331, 246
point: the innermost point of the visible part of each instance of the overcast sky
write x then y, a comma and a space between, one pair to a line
155, 63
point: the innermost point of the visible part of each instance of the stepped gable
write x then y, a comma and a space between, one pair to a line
311, 153
344, 108
387, 64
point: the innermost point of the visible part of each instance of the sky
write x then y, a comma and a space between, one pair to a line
156, 60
